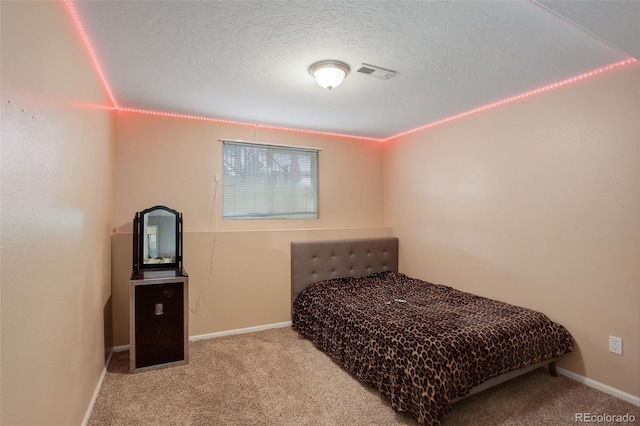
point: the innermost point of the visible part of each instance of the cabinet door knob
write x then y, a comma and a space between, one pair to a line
159, 309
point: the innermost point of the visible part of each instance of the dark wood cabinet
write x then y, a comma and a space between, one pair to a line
158, 319
158, 292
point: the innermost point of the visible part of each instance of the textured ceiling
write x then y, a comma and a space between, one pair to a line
248, 60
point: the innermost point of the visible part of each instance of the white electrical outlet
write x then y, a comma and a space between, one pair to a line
615, 345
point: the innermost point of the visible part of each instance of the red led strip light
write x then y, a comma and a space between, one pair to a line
516, 98
244, 123
96, 64
73, 14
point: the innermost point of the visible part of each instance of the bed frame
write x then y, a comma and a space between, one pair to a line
313, 261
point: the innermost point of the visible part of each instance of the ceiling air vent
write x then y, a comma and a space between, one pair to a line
375, 71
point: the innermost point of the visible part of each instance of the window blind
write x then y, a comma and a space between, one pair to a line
269, 181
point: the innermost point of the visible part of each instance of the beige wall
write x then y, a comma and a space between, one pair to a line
57, 205
536, 203
173, 162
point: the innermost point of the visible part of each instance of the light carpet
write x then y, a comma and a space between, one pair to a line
274, 377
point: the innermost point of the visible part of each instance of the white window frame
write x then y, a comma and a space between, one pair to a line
259, 181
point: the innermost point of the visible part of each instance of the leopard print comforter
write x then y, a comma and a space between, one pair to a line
422, 344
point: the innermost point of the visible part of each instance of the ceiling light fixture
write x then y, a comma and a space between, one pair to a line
329, 74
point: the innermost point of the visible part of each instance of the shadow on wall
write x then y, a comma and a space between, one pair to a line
107, 315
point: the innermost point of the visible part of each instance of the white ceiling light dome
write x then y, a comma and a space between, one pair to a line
329, 74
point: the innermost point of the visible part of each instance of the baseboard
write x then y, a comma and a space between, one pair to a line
96, 392
240, 331
601, 387
223, 333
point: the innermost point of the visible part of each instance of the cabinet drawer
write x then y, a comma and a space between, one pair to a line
159, 304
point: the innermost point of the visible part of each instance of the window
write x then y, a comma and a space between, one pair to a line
268, 181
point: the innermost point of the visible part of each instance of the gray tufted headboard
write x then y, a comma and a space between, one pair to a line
313, 261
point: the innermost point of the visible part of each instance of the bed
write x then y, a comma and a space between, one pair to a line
422, 345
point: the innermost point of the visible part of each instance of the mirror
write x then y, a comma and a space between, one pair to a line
152, 241
157, 239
